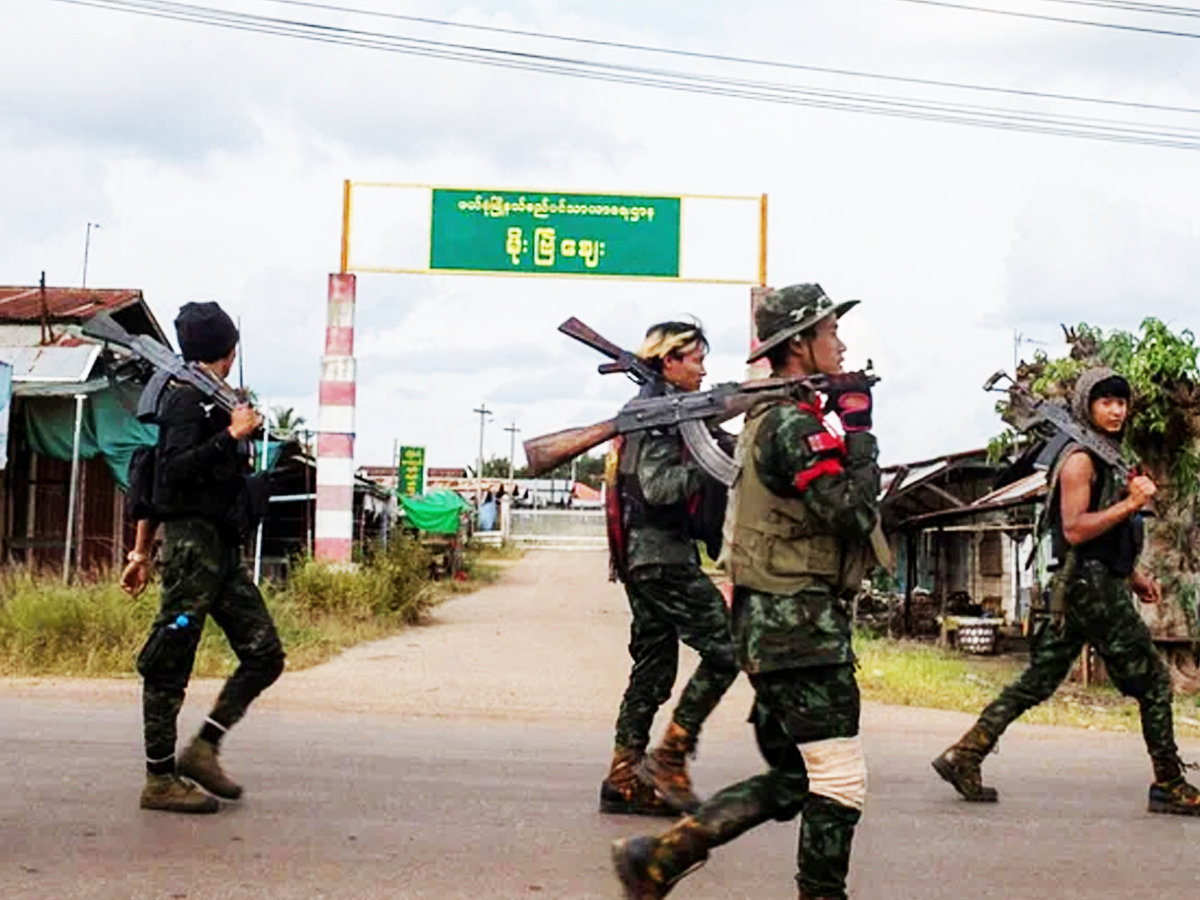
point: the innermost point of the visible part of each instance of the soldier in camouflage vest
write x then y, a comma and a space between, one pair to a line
1094, 525
658, 499
798, 538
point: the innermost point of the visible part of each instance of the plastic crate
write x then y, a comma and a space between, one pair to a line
977, 637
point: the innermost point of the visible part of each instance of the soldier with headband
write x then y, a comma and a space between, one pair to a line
659, 502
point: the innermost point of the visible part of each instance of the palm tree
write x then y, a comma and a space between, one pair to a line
284, 421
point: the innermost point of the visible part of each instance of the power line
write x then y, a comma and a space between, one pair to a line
1044, 18
1130, 6
721, 57
1030, 121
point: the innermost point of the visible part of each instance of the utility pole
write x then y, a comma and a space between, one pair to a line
87, 244
512, 449
483, 412
1019, 339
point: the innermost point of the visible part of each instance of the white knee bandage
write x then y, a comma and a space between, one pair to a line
837, 770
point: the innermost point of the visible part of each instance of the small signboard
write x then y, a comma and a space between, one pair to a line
447, 473
410, 476
555, 234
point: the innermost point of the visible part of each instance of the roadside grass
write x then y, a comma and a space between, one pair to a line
95, 630
908, 673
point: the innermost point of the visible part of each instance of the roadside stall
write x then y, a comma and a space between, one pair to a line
440, 520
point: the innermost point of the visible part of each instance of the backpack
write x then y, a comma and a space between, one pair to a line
139, 498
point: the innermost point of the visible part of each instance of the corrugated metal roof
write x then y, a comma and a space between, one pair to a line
53, 364
918, 474
26, 304
1028, 488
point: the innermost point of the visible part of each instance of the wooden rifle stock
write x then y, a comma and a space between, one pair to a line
552, 450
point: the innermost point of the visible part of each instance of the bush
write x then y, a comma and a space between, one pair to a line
390, 583
47, 628
81, 630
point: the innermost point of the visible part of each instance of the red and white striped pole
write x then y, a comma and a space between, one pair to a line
335, 427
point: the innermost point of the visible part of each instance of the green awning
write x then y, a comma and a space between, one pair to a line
436, 512
109, 428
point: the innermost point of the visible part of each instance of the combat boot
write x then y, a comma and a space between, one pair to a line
199, 762
648, 867
960, 765
666, 768
1171, 793
624, 792
169, 793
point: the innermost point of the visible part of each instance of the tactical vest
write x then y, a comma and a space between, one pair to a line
772, 543
1119, 547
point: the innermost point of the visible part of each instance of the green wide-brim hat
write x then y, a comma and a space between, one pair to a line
790, 310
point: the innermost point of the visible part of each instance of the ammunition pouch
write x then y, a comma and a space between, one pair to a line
254, 500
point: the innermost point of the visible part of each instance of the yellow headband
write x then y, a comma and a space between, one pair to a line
658, 345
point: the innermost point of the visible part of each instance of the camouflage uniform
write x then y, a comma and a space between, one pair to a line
1092, 604
671, 599
660, 491
1099, 611
797, 651
199, 480
795, 645
203, 575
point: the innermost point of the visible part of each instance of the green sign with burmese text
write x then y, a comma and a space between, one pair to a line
555, 234
411, 472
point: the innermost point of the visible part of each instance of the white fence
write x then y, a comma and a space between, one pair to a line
563, 529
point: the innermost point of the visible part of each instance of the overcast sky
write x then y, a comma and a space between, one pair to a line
213, 161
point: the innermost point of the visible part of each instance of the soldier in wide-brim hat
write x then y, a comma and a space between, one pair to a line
791, 311
798, 539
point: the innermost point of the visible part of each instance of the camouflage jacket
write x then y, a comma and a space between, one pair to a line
658, 534
839, 487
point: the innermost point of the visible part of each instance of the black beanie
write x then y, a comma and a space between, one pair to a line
205, 331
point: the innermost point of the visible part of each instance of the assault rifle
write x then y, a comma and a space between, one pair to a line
694, 413
167, 366
1055, 425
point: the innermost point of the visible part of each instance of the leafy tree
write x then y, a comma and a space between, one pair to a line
1162, 434
496, 467
588, 469
284, 421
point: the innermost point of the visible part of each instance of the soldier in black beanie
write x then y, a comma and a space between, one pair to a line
201, 466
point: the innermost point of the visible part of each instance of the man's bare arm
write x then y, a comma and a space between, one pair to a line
1075, 489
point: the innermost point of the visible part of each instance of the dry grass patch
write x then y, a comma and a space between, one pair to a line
908, 673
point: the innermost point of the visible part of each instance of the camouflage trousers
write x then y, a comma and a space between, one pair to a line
1100, 612
795, 706
672, 604
203, 575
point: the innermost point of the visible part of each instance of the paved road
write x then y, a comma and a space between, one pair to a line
411, 769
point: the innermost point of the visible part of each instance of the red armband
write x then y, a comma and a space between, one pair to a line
823, 467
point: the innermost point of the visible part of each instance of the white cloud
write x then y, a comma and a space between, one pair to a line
214, 162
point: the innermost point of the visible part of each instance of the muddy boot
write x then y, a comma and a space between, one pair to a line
666, 767
623, 792
199, 762
648, 867
1171, 793
169, 793
960, 765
